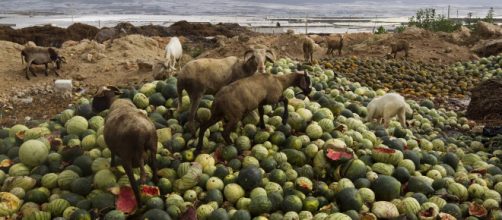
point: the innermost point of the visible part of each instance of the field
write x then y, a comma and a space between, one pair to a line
326, 162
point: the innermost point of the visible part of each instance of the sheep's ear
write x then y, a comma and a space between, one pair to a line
248, 54
269, 55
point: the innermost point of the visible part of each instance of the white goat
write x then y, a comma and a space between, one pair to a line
173, 52
388, 106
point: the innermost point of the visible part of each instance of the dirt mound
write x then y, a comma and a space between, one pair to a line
194, 30
79, 31
48, 35
487, 30
486, 101
487, 48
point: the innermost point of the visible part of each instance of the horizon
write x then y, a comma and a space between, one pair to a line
256, 8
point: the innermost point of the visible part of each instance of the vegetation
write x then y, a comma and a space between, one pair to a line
400, 29
489, 16
381, 30
429, 20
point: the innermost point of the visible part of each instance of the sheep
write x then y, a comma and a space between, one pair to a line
41, 55
388, 106
400, 46
241, 97
174, 51
208, 76
128, 133
334, 44
308, 49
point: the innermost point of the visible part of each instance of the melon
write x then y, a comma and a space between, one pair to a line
76, 125
141, 101
249, 178
233, 192
33, 153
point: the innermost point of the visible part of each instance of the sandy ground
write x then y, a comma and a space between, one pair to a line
90, 64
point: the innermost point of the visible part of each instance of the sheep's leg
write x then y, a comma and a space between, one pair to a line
55, 70
46, 69
285, 115
153, 163
406, 53
402, 118
386, 122
112, 162
173, 67
387, 116
261, 112
228, 128
203, 129
128, 169
152, 146
195, 99
27, 72
180, 96
142, 172
340, 52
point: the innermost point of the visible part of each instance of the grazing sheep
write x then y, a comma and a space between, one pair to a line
128, 133
174, 51
308, 50
208, 76
239, 98
401, 45
41, 55
334, 44
388, 106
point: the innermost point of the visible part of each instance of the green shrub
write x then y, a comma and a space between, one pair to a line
429, 20
381, 30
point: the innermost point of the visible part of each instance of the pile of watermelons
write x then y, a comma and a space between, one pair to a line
327, 162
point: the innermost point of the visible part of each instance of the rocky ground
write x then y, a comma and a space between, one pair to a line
128, 61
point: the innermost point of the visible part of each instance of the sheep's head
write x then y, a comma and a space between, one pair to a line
59, 60
104, 98
305, 83
56, 58
255, 58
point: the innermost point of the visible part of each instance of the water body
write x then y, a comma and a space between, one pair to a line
359, 15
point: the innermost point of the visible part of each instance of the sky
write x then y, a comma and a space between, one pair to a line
371, 8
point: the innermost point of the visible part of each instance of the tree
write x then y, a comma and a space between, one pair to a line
489, 16
429, 20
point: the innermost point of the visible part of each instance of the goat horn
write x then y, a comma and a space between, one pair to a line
113, 88
100, 90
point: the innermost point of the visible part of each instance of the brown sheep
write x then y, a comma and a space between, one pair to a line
308, 50
400, 45
335, 44
208, 76
39, 56
128, 133
239, 98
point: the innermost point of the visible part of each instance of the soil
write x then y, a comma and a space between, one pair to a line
486, 102
90, 64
